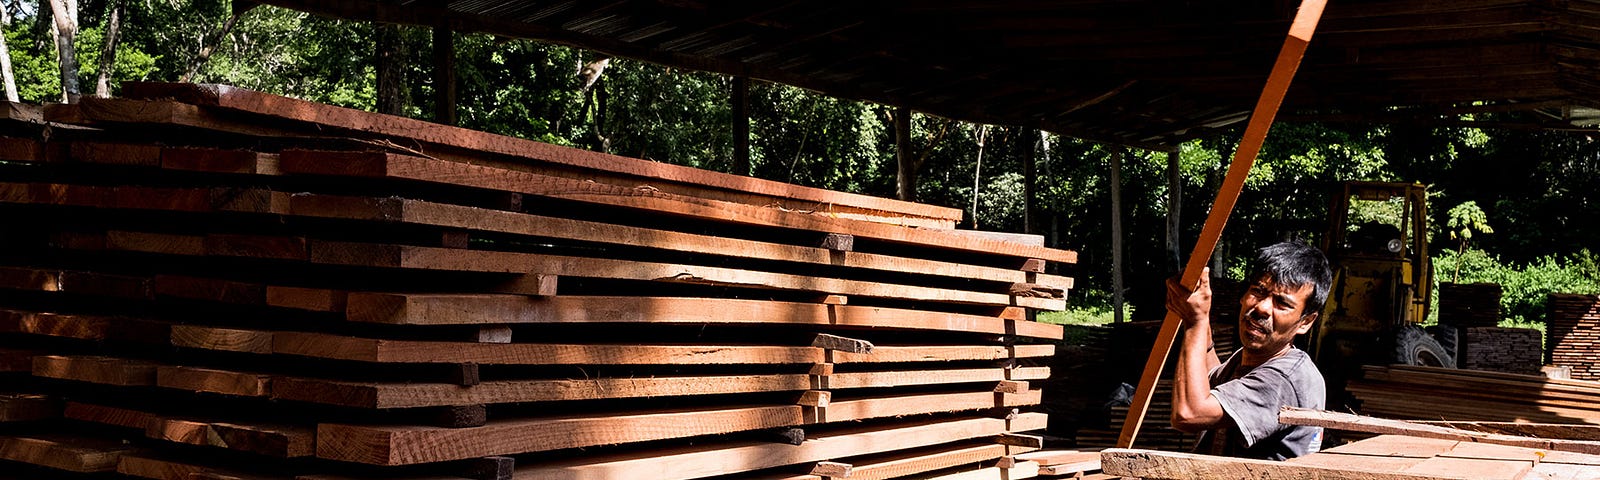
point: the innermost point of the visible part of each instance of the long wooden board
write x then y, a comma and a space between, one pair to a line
1358, 423
474, 309
406, 167
285, 441
722, 458
404, 445
1186, 466
64, 452
901, 464
487, 261
432, 258
95, 369
410, 351
410, 394
419, 212
27, 407
406, 128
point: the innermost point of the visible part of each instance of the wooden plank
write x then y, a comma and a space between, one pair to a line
727, 458
1186, 466
403, 445
473, 309
431, 258
300, 298
411, 351
1345, 421
419, 212
284, 441
411, 394
219, 161
1475, 468
843, 344
209, 289
342, 118
28, 407
214, 381
63, 452
1018, 471
1294, 47
132, 154
162, 468
21, 150
832, 469
905, 463
224, 339
95, 369
17, 359
396, 166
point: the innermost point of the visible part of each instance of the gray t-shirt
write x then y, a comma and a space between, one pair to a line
1251, 397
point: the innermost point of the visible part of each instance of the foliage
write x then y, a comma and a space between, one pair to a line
1525, 288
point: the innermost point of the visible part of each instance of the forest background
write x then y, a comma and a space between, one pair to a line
1529, 199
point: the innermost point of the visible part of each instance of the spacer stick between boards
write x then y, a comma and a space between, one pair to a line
1255, 133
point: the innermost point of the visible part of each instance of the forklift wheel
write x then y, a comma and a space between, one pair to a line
1413, 346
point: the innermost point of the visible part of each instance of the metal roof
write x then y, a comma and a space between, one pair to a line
1145, 73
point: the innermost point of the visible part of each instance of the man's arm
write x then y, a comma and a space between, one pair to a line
1194, 408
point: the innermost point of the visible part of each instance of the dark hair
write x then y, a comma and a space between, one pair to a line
1295, 264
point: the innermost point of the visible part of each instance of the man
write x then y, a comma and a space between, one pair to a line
1235, 403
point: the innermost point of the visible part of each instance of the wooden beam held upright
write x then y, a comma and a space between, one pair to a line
1294, 47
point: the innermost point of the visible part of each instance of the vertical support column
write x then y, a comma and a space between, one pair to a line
741, 125
906, 178
1174, 207
1030, 176
1116, 233
444, 75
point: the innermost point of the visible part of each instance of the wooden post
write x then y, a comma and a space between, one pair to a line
741, 125
1116, 233
1294, 47
1174, 206
444, 75
906, 176
1030, 174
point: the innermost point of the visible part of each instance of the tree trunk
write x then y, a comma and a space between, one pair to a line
741, 127
388, 58
208, 46
10, 76
108, 53
65, 13
1116, 234
977, 173
906, 176
1174, 207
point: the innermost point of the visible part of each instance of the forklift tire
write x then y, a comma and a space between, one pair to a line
1413, 346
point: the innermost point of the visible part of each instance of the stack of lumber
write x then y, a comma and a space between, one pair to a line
1466, 305
202, 279
1509, 350
1574, 324
1429, 393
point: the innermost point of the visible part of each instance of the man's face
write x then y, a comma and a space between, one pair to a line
1271, 315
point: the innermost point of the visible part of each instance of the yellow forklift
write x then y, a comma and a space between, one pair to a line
1377, 246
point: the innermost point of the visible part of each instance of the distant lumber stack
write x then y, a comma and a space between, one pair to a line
206, 282
1574, 334
1444, 394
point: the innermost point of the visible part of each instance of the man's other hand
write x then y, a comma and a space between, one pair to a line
1192, 306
